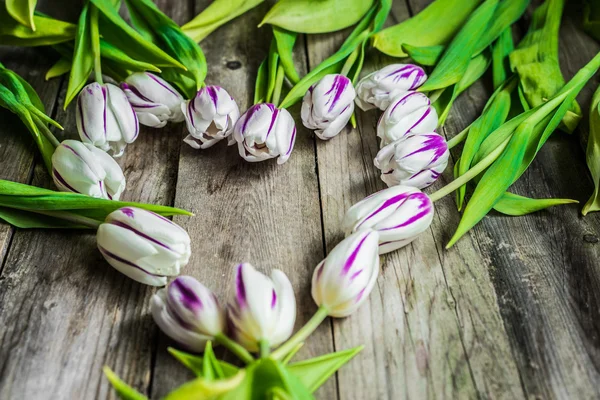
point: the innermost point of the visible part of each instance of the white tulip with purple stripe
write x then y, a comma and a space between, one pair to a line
143, 245
416, 161
399, 214
328, 106
188, 312
210, 117
264, 132
105, 118
378, 89
262, 308
408, 115
344, 280
154, 100
82, 168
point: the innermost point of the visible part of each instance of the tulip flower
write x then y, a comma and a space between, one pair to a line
408, 115
415, 161
378, 89
153, 99
399, 214
210, 117
263, 310
105, 118
82, 168
188, 312
328, 106
264, 132
344, 280
143, 245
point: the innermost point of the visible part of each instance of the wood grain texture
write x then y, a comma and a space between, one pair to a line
262, 213
64, 312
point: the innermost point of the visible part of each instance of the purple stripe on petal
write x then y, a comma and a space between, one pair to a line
66, 146
435, 143
128, 211
213, 94
356, 274
108, 254
291, 142
159, 81
424, 207
139, 233
240, 287
135, 91
273, 299
273, 119
402, 101
340, 83
104, 94
249, 114
80, 107
425, 114
187, 295
63, 181
352, 258
360, 295
401, 198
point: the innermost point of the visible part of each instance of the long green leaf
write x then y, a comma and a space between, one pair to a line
124, 391
455, 60
168, 35
426, 28
216, 14
29, 220
116, 31
202, 389
262, 82
506, 14
315, 371
592, 154
513, 204
492, 117
285, 41
316, 16
500, 51
427, 55
48, 31
22, 11
196, 363
83, 60
59, 68
113, 53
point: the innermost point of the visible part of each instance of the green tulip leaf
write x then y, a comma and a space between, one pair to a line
216, 14
197, 364
203, 389
147, 18
425, 29
515, 205
506, 14
285, 41
113, 53
22, 11
48, 31
592, 154
262, 82
83, 59
500, 52
456, 58
315, 371
124, 391
59, 68
117, 32
425, 55
316, 16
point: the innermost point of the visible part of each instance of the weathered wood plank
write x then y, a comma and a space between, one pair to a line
263, 213
428, 331
66, 313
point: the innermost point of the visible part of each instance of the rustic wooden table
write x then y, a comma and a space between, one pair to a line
512, 311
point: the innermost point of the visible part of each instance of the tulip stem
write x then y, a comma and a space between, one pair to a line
300, 336
235, 348
67, 216
95, 34
470, 174
278, 85
459, 138
46, 132
264, 348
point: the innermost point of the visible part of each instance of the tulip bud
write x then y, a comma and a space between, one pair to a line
153, 99
408, 115
82, 168
265, 131
343, 280
143, 245
328, 106
105, 118
210, 117
399, 214
378, 89
263, 308
188, 312
416, 161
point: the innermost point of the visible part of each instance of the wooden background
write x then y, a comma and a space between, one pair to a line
512, 311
